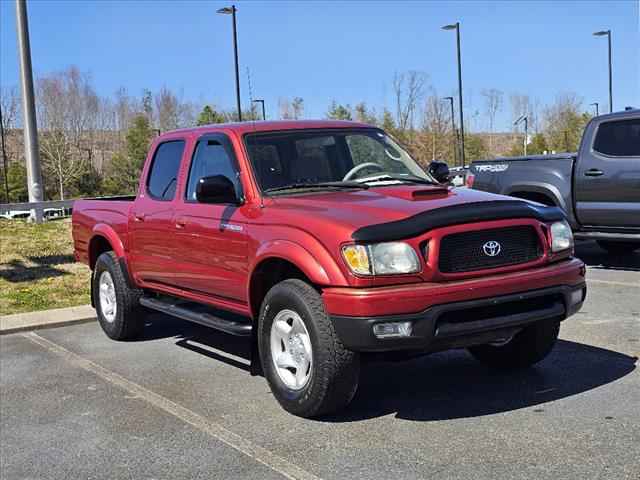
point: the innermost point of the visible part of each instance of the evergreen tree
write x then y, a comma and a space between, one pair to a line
339, 112
125, 168
208, 116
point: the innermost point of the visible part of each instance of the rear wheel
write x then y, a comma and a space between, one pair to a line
529, 346
619, 248
117, 305
308, 369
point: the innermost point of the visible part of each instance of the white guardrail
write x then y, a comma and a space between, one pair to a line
46, 210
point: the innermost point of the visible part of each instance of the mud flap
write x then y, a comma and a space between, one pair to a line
255, 367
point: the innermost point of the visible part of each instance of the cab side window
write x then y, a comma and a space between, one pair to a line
619, 139
211, 158
163, 176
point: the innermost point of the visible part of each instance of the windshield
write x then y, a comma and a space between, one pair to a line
329, 158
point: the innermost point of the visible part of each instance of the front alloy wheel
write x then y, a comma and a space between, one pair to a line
309, 370
291, 349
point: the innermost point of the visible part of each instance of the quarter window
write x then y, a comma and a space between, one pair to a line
619, 139
210, 158
164, 170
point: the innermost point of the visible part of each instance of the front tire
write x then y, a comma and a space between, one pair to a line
526, 348
618, 248
309, 370
117, 305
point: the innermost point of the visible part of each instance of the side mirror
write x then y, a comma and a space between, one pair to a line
216, 189
439, 171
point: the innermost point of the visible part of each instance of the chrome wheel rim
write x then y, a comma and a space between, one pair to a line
291, 351
107, 294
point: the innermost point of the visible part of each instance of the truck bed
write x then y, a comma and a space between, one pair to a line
103, 214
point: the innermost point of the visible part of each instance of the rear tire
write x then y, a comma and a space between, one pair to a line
309, 370
618, 248
118, 306
526, 348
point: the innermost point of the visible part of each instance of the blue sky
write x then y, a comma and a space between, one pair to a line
346, 51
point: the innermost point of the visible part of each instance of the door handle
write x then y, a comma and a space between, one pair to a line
139, 217
181, 222
593, 172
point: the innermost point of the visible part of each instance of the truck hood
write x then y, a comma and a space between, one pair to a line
345, 212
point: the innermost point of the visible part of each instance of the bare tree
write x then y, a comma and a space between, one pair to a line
10, 103
67, 113
436, 135
168, 110
408, 89
285, 109
493, 104
297, 107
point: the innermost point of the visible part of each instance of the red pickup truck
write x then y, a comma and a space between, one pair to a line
323, 241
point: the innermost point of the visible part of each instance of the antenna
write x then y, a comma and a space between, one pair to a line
253, 114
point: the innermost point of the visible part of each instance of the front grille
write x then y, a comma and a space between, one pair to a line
469, 251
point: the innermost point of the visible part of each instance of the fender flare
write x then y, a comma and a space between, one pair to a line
310, 265
546, 189
110, 235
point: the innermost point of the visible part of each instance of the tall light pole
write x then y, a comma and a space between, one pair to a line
232, 11
525, 119
31, 151
456, 27
453, 130
595, 104
261, 101
607, 33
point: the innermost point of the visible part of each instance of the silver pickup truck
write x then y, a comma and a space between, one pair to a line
598, 187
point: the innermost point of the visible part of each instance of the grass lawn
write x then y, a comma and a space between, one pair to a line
37, 269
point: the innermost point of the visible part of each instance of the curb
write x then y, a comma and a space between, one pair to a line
59, 317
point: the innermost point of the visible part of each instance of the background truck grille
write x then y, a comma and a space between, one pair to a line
464, 252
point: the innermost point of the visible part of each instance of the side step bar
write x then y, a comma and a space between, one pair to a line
171, 307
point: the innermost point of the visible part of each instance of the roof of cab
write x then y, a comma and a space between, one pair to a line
251, 126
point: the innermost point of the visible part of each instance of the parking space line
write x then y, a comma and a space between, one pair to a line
262, 455
610, 282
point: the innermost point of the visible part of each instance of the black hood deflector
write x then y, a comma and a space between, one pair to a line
456, 215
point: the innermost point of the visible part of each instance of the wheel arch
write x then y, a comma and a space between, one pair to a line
104, 239
537, 192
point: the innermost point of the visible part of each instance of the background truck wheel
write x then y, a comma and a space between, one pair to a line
117, 305
526, 348
308, 369
619, 248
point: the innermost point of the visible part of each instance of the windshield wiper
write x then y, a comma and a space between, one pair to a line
294, 186
400, 178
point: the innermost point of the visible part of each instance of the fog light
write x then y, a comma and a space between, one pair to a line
577, 296
392, 329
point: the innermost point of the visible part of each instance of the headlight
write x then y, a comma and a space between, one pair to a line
561, 236
381, 258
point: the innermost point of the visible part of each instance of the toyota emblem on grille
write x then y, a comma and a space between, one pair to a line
492, 248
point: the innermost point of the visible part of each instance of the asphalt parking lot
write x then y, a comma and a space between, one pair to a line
180, 403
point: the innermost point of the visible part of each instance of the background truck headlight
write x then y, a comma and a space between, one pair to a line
561, 237
388, 258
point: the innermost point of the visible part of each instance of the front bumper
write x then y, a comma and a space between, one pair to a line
458, 315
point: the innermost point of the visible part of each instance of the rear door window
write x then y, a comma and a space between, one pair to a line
618, 139
163, 176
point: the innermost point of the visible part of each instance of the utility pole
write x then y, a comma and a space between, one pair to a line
525, 119
456, 27
4, 158
31, 150
454, 133
595, 104
232, 11
607, 33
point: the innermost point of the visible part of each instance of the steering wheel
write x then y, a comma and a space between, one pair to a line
362, 166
